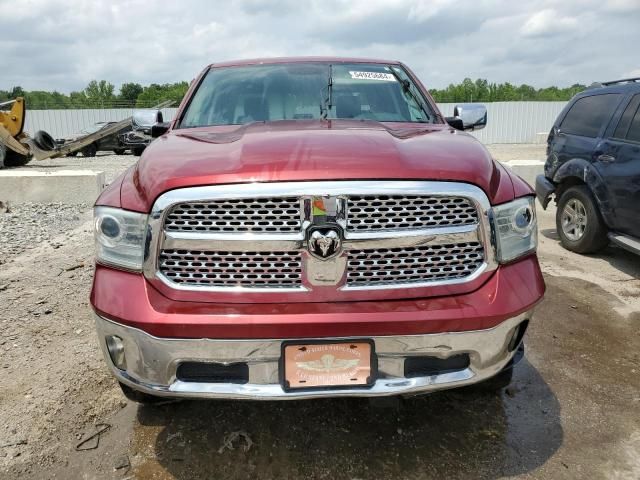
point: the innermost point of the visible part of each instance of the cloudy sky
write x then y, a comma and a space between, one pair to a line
62, 45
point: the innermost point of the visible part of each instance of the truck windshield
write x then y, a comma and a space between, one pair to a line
306, 91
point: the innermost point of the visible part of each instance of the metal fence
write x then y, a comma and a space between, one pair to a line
508, 122
514, 122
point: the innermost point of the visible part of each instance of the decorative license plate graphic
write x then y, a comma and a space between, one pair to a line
327, 365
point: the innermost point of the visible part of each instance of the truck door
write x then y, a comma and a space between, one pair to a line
617, 159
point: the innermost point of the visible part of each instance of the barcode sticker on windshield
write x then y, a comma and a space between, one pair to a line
385, 77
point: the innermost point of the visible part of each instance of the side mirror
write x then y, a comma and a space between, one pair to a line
455, 122
159, 118
160, 129
472, 115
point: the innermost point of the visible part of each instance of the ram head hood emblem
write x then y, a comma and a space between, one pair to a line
324, 243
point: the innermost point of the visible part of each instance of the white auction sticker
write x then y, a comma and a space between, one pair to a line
385, 77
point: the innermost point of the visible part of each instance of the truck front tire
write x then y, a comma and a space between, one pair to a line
139, 397
499, 381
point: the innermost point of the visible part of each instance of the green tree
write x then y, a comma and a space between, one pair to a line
78, 99
100, 93
154, 93
483, 91
129, 93
16, 92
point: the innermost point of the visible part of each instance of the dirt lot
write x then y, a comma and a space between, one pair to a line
573, 410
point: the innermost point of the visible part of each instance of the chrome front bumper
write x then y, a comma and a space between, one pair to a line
151, 362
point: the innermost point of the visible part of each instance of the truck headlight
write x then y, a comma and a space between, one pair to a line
515, 229
120, 237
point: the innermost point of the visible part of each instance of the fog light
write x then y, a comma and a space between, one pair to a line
116, 351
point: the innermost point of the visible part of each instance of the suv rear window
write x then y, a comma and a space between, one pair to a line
634, 131
588, 114
629, 125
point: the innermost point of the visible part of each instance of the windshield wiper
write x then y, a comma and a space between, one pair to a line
327, 103
406, 88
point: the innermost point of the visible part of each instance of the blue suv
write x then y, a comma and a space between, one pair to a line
593, 168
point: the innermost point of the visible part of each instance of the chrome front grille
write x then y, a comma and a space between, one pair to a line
399, 236
404, 266
284, 215
406, 212
264, 215
232, 269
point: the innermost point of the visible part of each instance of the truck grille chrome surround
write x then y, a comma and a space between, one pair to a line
406, 212
231, 269
403, 266
295, 237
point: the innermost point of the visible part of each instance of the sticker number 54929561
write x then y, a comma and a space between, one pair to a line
385, 77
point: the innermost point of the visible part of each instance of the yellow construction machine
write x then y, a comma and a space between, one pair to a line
12, 151
17, 148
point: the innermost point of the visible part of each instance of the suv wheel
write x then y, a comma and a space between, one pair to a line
118, 151
579, 223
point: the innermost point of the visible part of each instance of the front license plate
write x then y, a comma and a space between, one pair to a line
318, 365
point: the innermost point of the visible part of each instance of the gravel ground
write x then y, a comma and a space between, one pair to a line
53, 385
24, 226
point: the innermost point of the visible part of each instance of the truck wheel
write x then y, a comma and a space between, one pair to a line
90, 150
138, 151
9, 158
118, 151
139, 397
579, 223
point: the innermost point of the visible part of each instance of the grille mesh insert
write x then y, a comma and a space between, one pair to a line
404, 212
232, 269
394, 266
266, 215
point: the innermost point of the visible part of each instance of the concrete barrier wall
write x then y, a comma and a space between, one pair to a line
66, 186
508, 122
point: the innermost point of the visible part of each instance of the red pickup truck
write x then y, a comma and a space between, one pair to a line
313, 227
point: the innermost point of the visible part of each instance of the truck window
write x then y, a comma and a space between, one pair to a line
588, 114
629, 125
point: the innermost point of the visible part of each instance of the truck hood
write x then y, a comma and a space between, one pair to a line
311, 150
